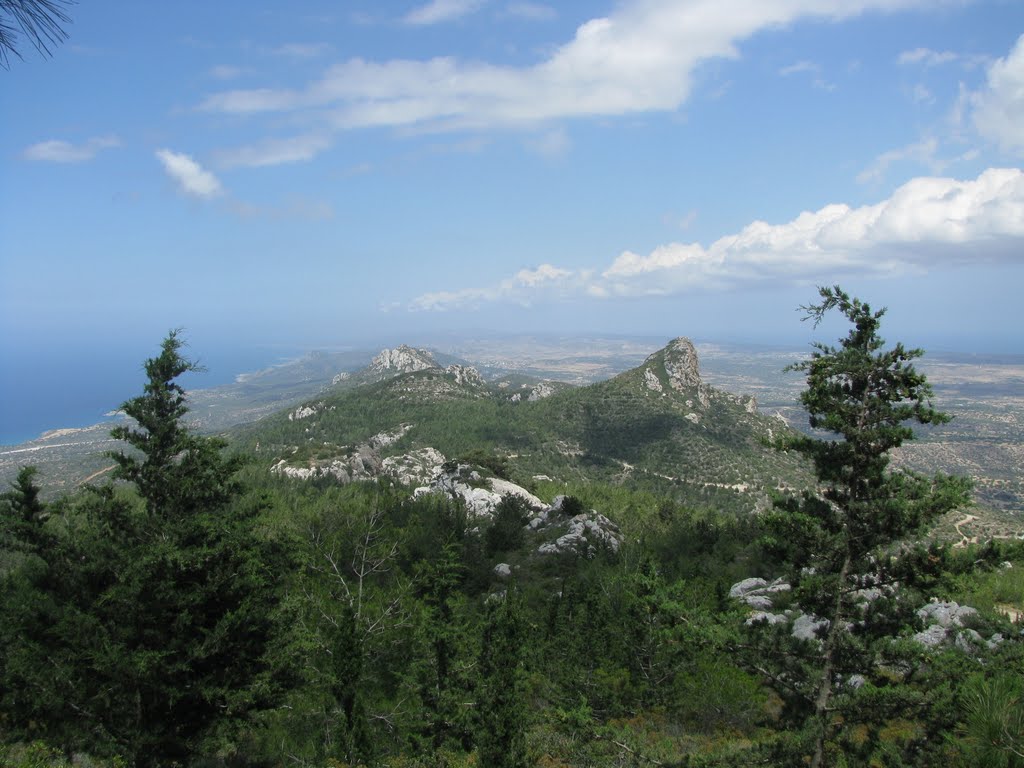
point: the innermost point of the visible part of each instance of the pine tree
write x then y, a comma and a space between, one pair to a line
174, 470
155, 611
502, 740
843, 537
22, 513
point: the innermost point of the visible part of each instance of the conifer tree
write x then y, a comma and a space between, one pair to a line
174, 470
22, 512
502, 741
146, 630
843, 537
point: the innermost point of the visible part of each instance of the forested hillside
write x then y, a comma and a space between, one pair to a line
656, 427
424, 569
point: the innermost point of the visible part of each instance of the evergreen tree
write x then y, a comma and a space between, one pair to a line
193, 606
503, 713
442, 627
842, 538
22, 512
153, 613
174, 470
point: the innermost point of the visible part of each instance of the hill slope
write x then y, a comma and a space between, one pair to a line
657, 425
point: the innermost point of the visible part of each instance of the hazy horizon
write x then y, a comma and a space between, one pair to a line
75, 386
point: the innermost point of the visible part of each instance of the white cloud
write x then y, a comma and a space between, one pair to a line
520, 288
638, 59
999, 107
191, 177
922, 152
438, 11
275, 152
929, 222
929, 58
545, 273
59, 151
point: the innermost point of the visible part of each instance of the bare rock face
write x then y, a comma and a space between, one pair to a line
582, 534
585, 534
414, 467
946, 623
652, 381
364, 462
480, 495
304, 412
541, 391
402, 359
465, 374
682, 371
682, 365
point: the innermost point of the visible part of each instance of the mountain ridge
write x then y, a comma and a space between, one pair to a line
657, 423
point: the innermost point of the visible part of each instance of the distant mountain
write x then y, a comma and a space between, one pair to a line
658, 425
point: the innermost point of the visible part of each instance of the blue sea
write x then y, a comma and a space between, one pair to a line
74, 386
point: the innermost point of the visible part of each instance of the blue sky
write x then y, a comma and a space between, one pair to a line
329, 173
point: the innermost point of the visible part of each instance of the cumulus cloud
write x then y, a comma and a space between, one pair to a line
190, 177
928, 222
295, 149
640, 58
999, 107
439, 11
520, 288
59, 151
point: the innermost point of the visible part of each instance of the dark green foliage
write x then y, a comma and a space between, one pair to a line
503, 713
572, 506
506, 532
994, 728
489, 460
174, 470
843, 537
22, 500
207, 612
158, 617
442, 633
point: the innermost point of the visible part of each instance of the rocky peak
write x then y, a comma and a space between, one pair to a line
682, 365
465, 374
677, 366
402, 359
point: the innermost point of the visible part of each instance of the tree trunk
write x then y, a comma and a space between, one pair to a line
824, 695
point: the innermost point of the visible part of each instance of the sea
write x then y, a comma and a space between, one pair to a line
42, 389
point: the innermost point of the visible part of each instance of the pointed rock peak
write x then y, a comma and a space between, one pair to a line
403, 359
682, 366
